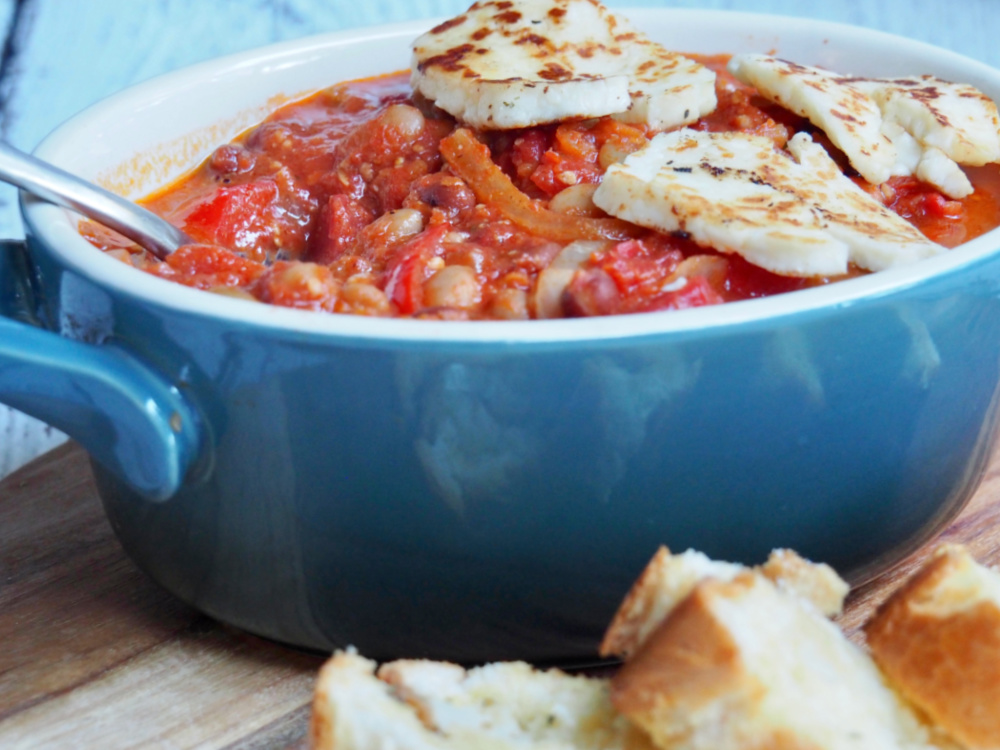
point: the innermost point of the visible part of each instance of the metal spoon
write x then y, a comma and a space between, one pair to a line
54, 185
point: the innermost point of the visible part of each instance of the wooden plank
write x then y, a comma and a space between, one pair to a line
58, 556
200, 689
96, 655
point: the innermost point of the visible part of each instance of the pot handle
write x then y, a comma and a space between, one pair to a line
154, 435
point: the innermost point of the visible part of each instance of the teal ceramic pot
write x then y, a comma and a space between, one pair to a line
480, 491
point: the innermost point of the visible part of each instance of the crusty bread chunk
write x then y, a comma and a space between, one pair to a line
938, 641
353, 710
816, 583
424, 705
742, 665
664, 583
668, 579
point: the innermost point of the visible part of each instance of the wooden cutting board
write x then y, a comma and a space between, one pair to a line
93, 654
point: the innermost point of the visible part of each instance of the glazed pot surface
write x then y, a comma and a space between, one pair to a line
468, 503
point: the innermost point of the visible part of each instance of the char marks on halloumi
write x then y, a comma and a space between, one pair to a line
886, 126
794, 214
956, 118
505, 64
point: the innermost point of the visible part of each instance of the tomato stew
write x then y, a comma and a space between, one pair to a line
362, 200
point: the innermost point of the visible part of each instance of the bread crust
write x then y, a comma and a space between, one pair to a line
690, 659
322, 718
668, 578
689, 663
747, 665
622, 636
814, 582
427, 705
942, 656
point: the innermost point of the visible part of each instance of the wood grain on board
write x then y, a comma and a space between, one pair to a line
96, 655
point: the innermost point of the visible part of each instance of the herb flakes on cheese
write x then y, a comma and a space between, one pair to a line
886, 126
505, 64
792, 213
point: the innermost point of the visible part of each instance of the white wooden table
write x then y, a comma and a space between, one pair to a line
58, 56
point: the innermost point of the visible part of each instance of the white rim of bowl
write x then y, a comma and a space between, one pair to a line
57, 227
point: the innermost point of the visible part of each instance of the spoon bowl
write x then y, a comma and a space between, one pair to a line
55, 185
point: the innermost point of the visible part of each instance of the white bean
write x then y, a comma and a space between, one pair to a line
576, 199
510, 304
399, 224
611, 153
406, 120
312, 278
548, 292
365, 298
452, 286
547, 298
711, 267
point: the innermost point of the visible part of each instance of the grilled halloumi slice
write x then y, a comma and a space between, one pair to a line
504, 64
878, 238
886, 127
956, 118
792, 213
849, 117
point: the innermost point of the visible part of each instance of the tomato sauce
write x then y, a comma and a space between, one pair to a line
344, 203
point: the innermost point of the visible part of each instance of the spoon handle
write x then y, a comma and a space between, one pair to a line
64, 189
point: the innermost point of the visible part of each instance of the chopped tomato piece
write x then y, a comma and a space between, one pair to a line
697, 292
527, 149
744, 280
575, 142
609, 129
638, 267
936, 204
557, 172
234, 216
408, 269
552, 160
208, 266
340, 221
923, 206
